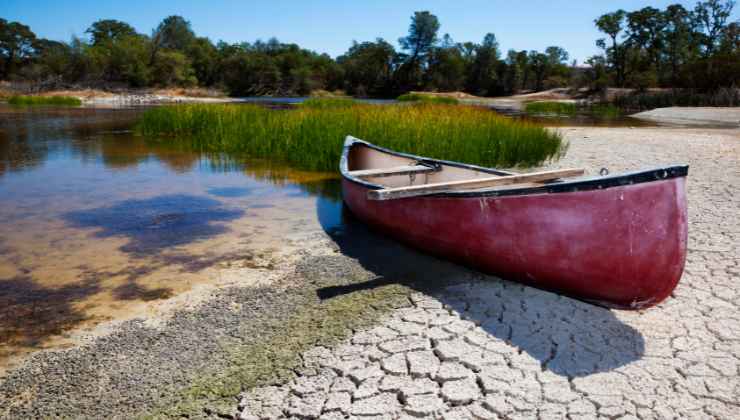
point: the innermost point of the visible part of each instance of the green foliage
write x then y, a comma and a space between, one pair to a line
172, 68
45, 100
16, 45
368, 68
109, 30
674, 47
432, 99
551, 107
311, 137
640, 101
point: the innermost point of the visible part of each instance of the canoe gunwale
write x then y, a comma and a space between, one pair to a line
584, 184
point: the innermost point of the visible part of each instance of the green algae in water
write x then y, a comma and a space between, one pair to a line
22, 100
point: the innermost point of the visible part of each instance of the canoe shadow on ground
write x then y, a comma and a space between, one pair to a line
566, 336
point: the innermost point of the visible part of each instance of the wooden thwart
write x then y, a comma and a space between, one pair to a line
495, 181
392, 171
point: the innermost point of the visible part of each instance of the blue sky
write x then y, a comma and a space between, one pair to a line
330, 26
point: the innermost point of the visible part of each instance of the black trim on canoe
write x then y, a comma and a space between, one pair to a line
583, 184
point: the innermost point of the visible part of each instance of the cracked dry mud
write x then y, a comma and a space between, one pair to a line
488, 348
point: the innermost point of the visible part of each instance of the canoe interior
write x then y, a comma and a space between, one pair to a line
362, 157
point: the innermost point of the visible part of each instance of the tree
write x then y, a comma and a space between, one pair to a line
612, 24
540, 65
711, 17
205, 61
483, 77
422, 37
173, 33
368, 68
557, 71
678, 39
447, 67
556, 55
172, 68
646, 32
16, 45
107, 30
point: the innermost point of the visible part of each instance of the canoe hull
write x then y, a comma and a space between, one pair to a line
622, 246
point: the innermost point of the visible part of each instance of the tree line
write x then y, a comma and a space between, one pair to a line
674, 47
649, 47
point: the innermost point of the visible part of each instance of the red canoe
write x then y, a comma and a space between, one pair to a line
615, 240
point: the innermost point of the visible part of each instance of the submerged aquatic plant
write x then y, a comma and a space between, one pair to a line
311, 137
44, 100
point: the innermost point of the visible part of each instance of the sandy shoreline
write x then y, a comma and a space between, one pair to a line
679, 359
693, 116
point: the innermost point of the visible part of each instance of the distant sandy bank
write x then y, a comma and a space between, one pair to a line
693, 115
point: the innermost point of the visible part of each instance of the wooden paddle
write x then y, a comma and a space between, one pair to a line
494, 181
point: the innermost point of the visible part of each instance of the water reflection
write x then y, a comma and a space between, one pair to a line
95, 222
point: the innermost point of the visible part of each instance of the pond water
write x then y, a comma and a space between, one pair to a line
98, 224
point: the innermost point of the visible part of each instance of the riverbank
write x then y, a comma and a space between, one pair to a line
539, 353
133, 97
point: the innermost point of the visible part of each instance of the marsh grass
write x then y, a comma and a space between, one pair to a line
431, 99
551, 107
44, 100
311, 136
605, 110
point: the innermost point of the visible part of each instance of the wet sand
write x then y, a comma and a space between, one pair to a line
331, 299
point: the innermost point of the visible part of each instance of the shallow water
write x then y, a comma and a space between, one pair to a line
97, 224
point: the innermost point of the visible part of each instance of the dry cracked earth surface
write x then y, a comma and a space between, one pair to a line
492, 349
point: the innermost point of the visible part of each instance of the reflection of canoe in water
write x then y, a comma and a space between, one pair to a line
616, 240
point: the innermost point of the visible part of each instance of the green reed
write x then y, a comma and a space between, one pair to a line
44, 100
551, 107
604, 110
311, 137
432, 99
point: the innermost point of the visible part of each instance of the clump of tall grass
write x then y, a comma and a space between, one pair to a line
551, 107
642, 101
44, 100
604, 110
311, 137
432, 99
